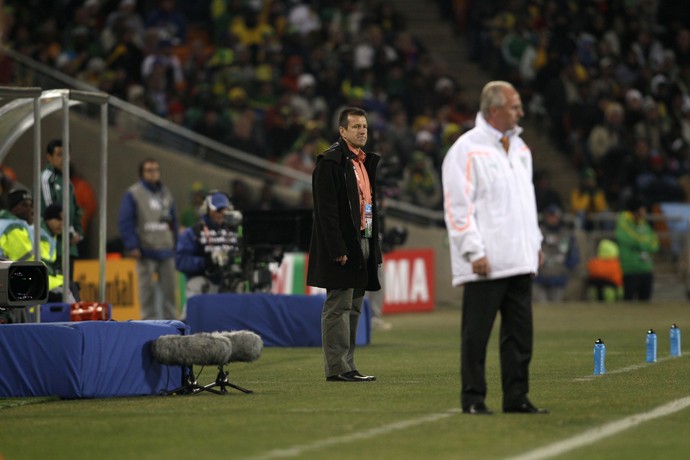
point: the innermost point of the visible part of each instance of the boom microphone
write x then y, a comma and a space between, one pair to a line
202, 348
246, 345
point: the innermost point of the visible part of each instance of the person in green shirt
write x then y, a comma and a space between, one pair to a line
637, 242
51, 192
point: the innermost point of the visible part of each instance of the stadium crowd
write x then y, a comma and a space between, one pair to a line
267, 77
610, 80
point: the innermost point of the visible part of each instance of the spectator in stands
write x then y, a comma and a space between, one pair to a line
252, 30
561, 256
604, 273
650, 127
167, 21
213, 124
657, 184
638, 242
421, 184
634, 111
246, 132
307, 103
545, 194
124, 58
52, 183
588, 199
125, 18
607, 135
148, 227
82, 47
282, 126
401, 135
449, 134
165, 65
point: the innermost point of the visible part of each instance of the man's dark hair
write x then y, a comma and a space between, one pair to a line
52, 145
143, 163
342, 119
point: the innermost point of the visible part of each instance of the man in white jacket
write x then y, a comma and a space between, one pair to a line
491, 217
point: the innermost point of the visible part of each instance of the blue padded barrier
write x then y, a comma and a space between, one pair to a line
87, 359
281, 320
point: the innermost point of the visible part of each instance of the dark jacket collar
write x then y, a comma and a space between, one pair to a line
339, 151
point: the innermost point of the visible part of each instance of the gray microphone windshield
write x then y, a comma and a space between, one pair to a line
202, 348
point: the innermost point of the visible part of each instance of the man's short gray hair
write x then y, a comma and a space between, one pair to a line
493, 96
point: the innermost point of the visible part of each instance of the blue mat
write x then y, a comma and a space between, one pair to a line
89, 359
281, 320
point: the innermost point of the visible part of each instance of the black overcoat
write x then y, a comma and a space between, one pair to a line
336, 229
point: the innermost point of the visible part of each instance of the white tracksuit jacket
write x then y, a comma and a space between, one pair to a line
489, 205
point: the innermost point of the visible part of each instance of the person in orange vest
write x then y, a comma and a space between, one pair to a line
86, 199
604, 273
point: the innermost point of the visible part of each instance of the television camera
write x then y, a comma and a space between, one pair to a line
22, 283
266, 236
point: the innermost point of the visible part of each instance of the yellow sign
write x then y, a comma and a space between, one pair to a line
121, 285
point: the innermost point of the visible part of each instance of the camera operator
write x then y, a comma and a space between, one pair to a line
16, 243
210, 252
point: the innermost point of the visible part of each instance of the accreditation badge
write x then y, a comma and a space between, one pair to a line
368, 220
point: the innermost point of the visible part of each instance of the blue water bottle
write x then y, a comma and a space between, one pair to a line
674, 340
651, 346
599, 357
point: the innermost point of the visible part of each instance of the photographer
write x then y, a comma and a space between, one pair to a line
209, 253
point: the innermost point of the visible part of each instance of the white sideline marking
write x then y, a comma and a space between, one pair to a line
603, 431
370, 433
588, 437
623, 370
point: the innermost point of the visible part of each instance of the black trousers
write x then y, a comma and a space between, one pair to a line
638, 286
481, 302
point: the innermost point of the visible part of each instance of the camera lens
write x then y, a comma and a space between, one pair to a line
26, 283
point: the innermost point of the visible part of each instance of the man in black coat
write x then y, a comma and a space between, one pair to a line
344, 252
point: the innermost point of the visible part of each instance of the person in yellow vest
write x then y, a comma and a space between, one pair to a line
16, 239
51, 228
15, 242
15, 236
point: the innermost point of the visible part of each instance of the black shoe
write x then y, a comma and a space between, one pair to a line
364, 378
525, 408
477, 409
346, 377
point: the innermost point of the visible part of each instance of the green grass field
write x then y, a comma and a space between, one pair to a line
411, 412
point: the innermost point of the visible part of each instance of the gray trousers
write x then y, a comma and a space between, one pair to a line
376, 297
165, 279
339, 321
